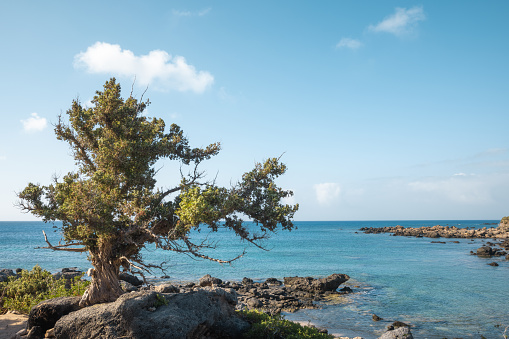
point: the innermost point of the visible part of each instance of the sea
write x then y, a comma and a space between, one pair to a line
440, 289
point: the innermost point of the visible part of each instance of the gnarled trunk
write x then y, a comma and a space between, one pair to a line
105, 286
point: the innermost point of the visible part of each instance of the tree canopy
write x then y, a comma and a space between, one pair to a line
110, 206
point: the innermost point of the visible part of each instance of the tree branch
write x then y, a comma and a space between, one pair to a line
63, 247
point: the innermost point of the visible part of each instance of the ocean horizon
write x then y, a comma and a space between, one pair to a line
440, 289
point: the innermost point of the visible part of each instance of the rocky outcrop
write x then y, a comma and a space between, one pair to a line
398, 330
45, 314
441, 232
398, 333
312, 285
148, 314
487, 251
168, 310
68, 273
131, 279
5, 274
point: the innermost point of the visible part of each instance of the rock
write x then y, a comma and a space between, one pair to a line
5, 274
254, 303
36, 332
50, 333
208, 280
198, 314
167, 288
133, 280
127, 287
273, 281
68, 273
398, 324
485, 251
346, 290
247, 281
493, 264
308, 284
376, 318
47, 313
398, 333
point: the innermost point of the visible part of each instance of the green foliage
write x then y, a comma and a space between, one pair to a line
21, 294
264, 326
160, 301
110, 206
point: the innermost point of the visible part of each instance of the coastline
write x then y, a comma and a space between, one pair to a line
325, 247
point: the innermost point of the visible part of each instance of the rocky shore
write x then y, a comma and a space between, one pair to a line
491, 249
438, 231
205, 309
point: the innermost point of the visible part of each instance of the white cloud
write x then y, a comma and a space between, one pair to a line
460, 188
157, 67
349, 43
203, 12
402, 22
327, 192
34, 124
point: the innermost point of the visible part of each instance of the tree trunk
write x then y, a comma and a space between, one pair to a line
105, 286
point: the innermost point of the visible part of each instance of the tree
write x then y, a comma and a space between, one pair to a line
110, 207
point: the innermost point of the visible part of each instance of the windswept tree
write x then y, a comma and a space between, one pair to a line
110, 206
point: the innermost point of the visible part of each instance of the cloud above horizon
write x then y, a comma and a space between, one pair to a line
327, 192
34, 124
349, 43
158, 68
402, 22
203, 12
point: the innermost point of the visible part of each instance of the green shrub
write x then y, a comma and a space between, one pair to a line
264, 326
22, 293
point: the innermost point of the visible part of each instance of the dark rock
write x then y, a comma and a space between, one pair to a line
398, 324
493, 264
208, 280
133, 280
47, 313
485, 251
5, 274
376, 318
19, 270
198, 314
36, 332
165, 277
127, 287
346, 290
247, 281
68, 273
273, 281
308, 284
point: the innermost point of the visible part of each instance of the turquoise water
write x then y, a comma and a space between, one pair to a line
440, 289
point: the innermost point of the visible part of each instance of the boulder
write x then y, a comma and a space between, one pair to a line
133, 280
148, 314
398, 333
485, 251
166, 288
68, 273
47, 313
312, 285
5, 274
208, 280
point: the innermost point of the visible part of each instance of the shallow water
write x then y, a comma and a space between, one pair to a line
439, 289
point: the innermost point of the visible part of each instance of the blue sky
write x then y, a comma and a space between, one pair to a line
384, 110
